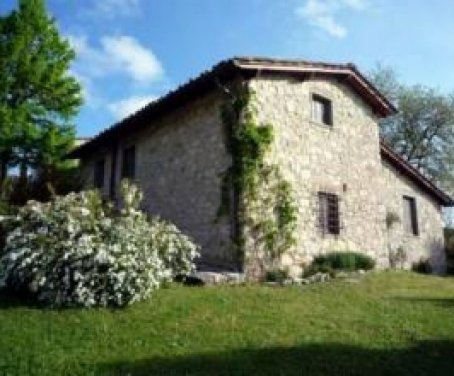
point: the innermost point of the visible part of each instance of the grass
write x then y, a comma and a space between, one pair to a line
391, 323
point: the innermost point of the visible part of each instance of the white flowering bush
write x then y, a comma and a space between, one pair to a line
77, 250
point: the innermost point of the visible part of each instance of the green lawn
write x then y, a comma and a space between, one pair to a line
389, 324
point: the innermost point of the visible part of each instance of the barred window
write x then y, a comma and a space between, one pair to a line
98, 175
329, 216
322, 111
128, 168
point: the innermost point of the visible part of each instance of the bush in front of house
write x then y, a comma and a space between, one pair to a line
347, 261
422, 266
5, 211
277, 275
77, 250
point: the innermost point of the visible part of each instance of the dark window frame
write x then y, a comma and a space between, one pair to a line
411, 227
128, 162
99, 173
327, 109
329, 213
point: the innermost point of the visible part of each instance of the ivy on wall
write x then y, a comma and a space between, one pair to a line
256, 192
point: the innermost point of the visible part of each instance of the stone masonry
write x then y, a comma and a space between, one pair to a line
181, 156
179, 163
343, 159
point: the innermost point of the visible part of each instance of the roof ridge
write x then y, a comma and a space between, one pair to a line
289, 61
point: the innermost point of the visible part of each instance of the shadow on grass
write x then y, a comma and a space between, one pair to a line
14, 299
423, 358
441, 302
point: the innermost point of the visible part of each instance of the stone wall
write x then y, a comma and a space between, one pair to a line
87, 170
181, 158
429, 244
179, 162
343, 159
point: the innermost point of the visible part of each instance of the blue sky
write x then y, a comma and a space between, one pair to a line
132, 51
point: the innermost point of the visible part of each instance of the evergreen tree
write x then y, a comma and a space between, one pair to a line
38, 96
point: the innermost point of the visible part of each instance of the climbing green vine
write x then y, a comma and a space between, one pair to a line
262, 200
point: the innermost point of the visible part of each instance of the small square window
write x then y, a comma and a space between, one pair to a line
329, 216
99, 171
128, 168
410, 221
322, 110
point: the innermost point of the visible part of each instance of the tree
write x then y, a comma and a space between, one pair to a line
423, 130
38, 96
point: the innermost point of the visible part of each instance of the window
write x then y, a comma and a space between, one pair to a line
98, 178
410, 216
128, 168
322, 111
329, 217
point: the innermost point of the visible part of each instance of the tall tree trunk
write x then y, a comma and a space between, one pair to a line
23, 172
3, 167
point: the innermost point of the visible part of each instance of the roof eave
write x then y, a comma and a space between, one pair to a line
398, 162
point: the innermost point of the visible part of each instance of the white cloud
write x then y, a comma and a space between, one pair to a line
116, 55
139, 62
128, 106
321, 14
113, 8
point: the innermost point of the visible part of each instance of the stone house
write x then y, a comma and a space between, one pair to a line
351, 191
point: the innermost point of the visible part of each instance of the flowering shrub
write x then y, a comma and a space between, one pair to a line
77, 250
